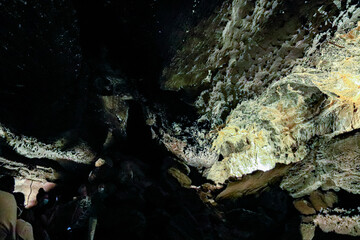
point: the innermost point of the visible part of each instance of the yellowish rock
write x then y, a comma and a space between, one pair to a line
317, 200
182, 178
304, 207
253, 183
99, 162
330, 198
276, 126
307, 231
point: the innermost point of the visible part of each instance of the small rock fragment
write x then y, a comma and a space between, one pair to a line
317, 200
330, 198
307, 231
304, 207
184, 180
99, 162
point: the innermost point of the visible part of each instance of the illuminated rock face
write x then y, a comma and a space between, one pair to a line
319, 100
261, 87
32, 148
273, 93
334, 163
241, 49
339, 221
275, 85
267, 77
334, 166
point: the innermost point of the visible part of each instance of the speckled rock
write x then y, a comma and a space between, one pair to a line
277, 126
265, 89
340, 221
335, 166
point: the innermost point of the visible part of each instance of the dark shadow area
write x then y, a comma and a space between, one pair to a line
270, 213
320, 235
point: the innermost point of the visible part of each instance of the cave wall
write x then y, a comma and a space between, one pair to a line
231, 89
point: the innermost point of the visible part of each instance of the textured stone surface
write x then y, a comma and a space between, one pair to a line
330, 198
265, 87
32, 148
277, 126
304, 207
307, 231
267, 83
339, 221
181, 177
238, 51
88, 108
43, 89
335, 166
317, 200
28, 171
118, 109
253, 183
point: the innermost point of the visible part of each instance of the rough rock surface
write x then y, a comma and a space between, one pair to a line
262, 87
304, 207
238, 51
253, 183
307, 231
278, 125
247, 86
32, 148
317, 200
334, 167
28, 171
340, 221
